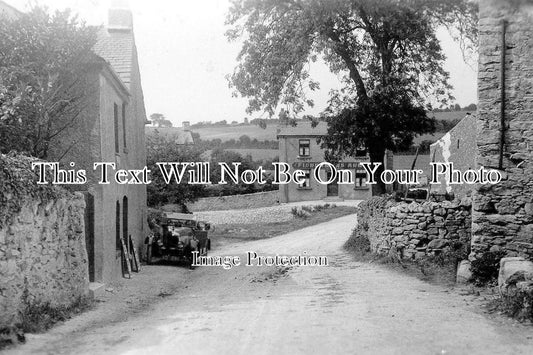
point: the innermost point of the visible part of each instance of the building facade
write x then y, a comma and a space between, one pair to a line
502, 218
112, 130
299, 148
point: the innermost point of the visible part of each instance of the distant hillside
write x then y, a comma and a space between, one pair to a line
226, 133
256, 154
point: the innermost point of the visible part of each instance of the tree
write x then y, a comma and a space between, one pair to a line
219, 155
157, 118
386, 51
160, 149
44, 83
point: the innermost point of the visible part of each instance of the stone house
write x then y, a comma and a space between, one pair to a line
110, 129
299, 148
502, 218
458, 146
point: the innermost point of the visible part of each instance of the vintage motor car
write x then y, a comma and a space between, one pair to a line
180, 235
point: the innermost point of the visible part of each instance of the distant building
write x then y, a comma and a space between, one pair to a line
186, 124
299, 148
458, 146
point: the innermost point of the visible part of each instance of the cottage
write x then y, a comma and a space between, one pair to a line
299, 148
110, 129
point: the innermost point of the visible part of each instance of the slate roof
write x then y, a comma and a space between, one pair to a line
304, 129
117, 48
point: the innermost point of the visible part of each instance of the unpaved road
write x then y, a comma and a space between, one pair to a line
344, 308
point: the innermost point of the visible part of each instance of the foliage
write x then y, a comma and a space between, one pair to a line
372, 43
517, 303
160, 120
243, 142
18, 184
386, 52
225, 156
37, 318
161, 149
485, 268
358, 243
44, 83
307, 211
394, 122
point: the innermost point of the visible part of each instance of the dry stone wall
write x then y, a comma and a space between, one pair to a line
503, 213
43, 259
414, 230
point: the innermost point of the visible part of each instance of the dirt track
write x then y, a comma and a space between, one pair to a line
344, 308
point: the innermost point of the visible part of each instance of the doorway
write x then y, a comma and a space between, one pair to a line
333, 188
89, 232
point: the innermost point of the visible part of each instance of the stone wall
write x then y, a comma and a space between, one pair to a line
416, 229
503, 213
236, 202
42, 244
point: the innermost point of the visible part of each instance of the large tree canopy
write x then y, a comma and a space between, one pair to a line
385, 51
43, 87
372, 43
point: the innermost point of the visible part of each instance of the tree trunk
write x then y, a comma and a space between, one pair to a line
377, 153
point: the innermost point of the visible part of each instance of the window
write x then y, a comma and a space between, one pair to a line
305, 184
117, 226
360, 178
115, 113
124, 125
304, 150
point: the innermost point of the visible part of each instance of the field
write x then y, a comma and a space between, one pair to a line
226, 133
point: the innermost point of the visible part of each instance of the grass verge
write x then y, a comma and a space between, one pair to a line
37, 318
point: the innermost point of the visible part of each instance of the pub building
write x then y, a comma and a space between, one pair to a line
299, 148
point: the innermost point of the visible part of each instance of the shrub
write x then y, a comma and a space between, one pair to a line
358, 242
485, 269
37, 318
518, 303
300, 213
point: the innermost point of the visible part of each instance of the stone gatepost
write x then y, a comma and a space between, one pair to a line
502, 217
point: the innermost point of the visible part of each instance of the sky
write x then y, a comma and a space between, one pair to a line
184, 58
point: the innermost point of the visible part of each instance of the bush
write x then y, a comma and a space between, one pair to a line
37, 318
307, 211
299, 212
358, 242
518, 303
485, 269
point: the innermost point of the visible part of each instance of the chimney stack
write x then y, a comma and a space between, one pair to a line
120, 17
